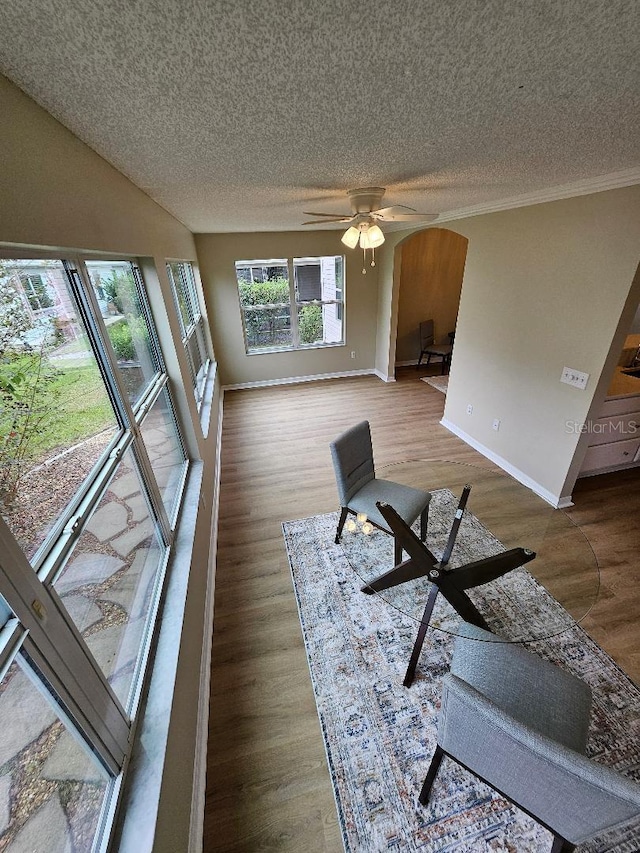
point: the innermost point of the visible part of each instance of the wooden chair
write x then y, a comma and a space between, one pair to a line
429, 348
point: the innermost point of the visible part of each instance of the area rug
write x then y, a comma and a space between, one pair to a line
379, 736
440, 383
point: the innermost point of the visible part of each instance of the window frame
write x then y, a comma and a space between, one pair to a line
41, 628
294, 304
194, 332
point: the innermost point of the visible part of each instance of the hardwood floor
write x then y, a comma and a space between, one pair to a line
607, 509
268, 786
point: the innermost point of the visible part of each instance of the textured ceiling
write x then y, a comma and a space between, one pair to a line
239, 115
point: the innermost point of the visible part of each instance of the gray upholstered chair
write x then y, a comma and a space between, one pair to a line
359, 488
520, 724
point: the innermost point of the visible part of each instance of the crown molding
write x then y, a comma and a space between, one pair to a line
612, 181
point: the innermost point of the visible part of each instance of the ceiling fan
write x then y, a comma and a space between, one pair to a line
366, 212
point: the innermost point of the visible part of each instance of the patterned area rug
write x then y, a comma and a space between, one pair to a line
379, 736
440, 383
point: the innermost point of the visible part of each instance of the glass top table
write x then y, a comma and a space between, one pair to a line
551, 593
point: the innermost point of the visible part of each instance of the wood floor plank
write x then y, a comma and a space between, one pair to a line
268, 786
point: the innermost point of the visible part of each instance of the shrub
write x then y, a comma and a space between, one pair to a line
310, 324
265, 321
120, 290
28, 406
122, 341
27, 401
272, 292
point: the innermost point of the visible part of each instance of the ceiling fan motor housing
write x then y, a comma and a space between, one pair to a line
365, 199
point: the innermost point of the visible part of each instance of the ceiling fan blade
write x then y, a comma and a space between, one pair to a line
325, 221
332, 215
396, 208
405, 217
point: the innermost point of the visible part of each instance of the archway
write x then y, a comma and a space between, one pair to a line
430, 280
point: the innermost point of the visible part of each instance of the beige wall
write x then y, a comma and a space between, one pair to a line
55, 192
388, 300
432, 265
544, 286
217, 254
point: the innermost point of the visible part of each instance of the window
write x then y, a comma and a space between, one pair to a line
92, 468
339, 286
191, 323
36, 292
291, 303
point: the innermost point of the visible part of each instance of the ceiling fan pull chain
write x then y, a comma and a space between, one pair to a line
364, 262
373, 256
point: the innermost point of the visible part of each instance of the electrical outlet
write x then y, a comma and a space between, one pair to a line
469, 409
496, 424
574, 377
353, 353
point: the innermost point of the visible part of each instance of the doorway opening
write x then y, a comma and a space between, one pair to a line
431, 270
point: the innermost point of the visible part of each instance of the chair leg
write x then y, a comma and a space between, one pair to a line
431, 775
343, 517
561, 845
424, 518
397, 551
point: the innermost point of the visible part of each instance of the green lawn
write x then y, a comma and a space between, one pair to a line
72, 406
82, 408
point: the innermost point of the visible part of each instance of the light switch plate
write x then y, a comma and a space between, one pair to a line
574, 377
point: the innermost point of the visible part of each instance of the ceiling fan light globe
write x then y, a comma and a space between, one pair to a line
350, 237
376, 237
365, 241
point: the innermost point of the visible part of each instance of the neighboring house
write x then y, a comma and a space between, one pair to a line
45, 297
42, 294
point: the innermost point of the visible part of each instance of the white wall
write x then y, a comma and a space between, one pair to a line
57, 193
544, 286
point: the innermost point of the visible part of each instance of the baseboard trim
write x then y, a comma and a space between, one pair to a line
563, 503
385, 377
294, 380
557, 502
